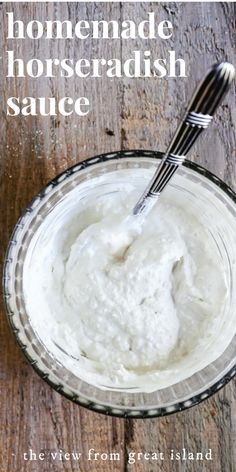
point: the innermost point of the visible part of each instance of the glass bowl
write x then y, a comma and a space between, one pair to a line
203, 190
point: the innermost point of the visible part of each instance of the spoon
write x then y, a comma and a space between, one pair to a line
201, 109
198, 116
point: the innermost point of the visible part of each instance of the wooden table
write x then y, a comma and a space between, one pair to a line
126, 113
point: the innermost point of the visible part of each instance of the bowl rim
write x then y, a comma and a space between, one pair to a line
100, 407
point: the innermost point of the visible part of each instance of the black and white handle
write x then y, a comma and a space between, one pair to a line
205, 100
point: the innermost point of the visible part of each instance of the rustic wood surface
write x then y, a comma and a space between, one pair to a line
126, 113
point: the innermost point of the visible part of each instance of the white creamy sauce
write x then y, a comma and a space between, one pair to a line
123, 308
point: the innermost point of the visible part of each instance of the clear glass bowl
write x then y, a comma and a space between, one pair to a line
204, 191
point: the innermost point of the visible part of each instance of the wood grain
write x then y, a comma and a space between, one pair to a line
126, 114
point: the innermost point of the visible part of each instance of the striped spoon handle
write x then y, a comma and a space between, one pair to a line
203, 105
